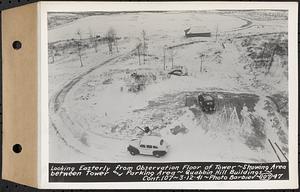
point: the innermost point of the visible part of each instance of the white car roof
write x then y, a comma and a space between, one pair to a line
151, 140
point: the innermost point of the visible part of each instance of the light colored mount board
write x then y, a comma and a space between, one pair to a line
25, 96
20, 95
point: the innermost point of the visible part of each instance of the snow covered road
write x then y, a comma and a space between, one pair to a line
95, 113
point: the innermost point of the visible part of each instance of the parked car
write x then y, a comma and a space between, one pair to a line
177, 72
148, 145
206, 103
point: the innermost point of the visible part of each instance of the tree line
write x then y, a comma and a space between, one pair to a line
78, 45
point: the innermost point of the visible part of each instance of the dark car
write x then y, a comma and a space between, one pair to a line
206, 103
177, 72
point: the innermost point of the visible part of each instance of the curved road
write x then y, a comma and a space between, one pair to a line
56, 111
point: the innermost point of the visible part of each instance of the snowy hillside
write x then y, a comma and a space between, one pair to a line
108, 78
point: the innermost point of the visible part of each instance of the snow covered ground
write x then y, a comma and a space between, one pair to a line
95, 109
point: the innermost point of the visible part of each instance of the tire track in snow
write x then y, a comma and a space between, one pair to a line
245, 26
58, 99
60, 96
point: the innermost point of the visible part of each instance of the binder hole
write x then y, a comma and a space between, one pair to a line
17, 45
17, 148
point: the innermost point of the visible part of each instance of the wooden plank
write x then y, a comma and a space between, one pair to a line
274, 150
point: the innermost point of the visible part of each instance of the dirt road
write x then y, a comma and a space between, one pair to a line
58, 115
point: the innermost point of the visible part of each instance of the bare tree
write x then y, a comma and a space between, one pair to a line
164, 50
79, 46
274, 48
145, 45
52, 52
116, 42
172, 55
110, 37
262, 55
217, 32
269, 65
93, 40
139, 52
112, 40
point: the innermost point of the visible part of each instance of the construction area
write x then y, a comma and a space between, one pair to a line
213, 84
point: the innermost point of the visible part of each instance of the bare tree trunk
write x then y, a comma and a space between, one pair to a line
81, 63
111, 36
217, 33
93, 40
52, 53
95, 44
79, 53
144, 46
96, 48
139, 53
110, 48
144, 50
79, 47
275, 47
172, 53
201, 66
263, 56
164, 58
271, 59
201, 62
116, 44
